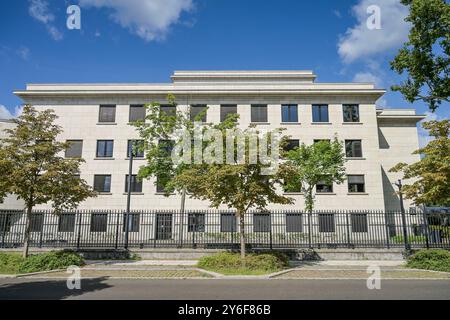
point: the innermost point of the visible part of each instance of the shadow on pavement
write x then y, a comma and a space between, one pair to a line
48, 289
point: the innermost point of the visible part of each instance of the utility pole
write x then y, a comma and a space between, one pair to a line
402, 209
128, 216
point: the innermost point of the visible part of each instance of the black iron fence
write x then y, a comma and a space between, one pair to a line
220, 229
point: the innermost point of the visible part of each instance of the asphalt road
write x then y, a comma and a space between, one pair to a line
103, 288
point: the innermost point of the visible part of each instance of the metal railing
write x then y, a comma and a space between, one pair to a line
220, 229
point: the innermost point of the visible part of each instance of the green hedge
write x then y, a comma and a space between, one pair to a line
435, 259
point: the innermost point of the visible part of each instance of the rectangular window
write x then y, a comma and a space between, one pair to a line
359, 222
161, 183
324, 187
136, 185
326, 222
107, 113
102, 183
351, 112
105, 148
66, 222
322, 140
289, 113
6, 220
99, 222
291, 144
261, 222
320, 113
36, 222
75, 149
137, 147
196, 222
137, 112
353, 148
198, 112
259, 112
227, 222
133, 222
294, 222
227, 109
356, 183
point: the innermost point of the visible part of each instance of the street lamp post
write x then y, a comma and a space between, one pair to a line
402, 209
128, 216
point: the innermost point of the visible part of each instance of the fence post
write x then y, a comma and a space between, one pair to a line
387, 230
405, 232
425, 221
194, 246
270, 234
79, 230
42, 229
117, 230
347, 222
309, 230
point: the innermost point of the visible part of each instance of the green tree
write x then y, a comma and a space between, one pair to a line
425, 56
430, 177
241, 186
308, 165
34, 171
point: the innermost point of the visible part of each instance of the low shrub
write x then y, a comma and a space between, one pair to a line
51, 261
10, 263
435, 259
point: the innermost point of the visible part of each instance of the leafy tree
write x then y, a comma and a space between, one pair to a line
240, 186
33, 170
431, 175
308, 165
425, 57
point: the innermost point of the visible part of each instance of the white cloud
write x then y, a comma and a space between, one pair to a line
368, 77
149, 19
6, 114
39, 10
23, 53
337, 13
424, 137
361, 42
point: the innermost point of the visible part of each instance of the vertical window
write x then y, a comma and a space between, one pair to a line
351, 112
168, 110
289, 113
324, 187
198, 112
136, 185
36, 222
320, 113
291, 145
99, 222
102, 183
137, 112
107, 113
137, 147
359, 222
105, 148
353, 148
227, 222
75, 149
133, 222
261, 222
6, 220
196, 222
66, 222
326, 222
294, 222
259, 112
227, 109
356, 183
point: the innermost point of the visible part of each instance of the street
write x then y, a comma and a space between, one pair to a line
104, 288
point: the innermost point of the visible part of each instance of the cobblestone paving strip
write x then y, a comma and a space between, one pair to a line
360, 274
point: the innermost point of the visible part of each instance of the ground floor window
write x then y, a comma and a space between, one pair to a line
99, 222
261, 222
228, 222
326, 222
66, 222
196, 222
359, 222
36, 222
133, 222
294, 222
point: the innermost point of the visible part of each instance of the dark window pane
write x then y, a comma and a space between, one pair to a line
137, 112
322, 140
36, 222
351, 112
102, 183
107, 113
359, 222
294, 222
323, 187
136, 185
291, 145
137, 147
227, 109
105, 148
168, 110
261, 223
196, 222
133, 222
289, 113
66, 222
227, 222
6, 221
356, 183
259, 113
99, 222
196, 110
320, 113
75, 149
326, 222
353, 148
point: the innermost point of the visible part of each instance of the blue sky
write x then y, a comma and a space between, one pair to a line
145, 40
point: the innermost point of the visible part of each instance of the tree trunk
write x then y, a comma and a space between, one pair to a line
242, 237
26, 241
